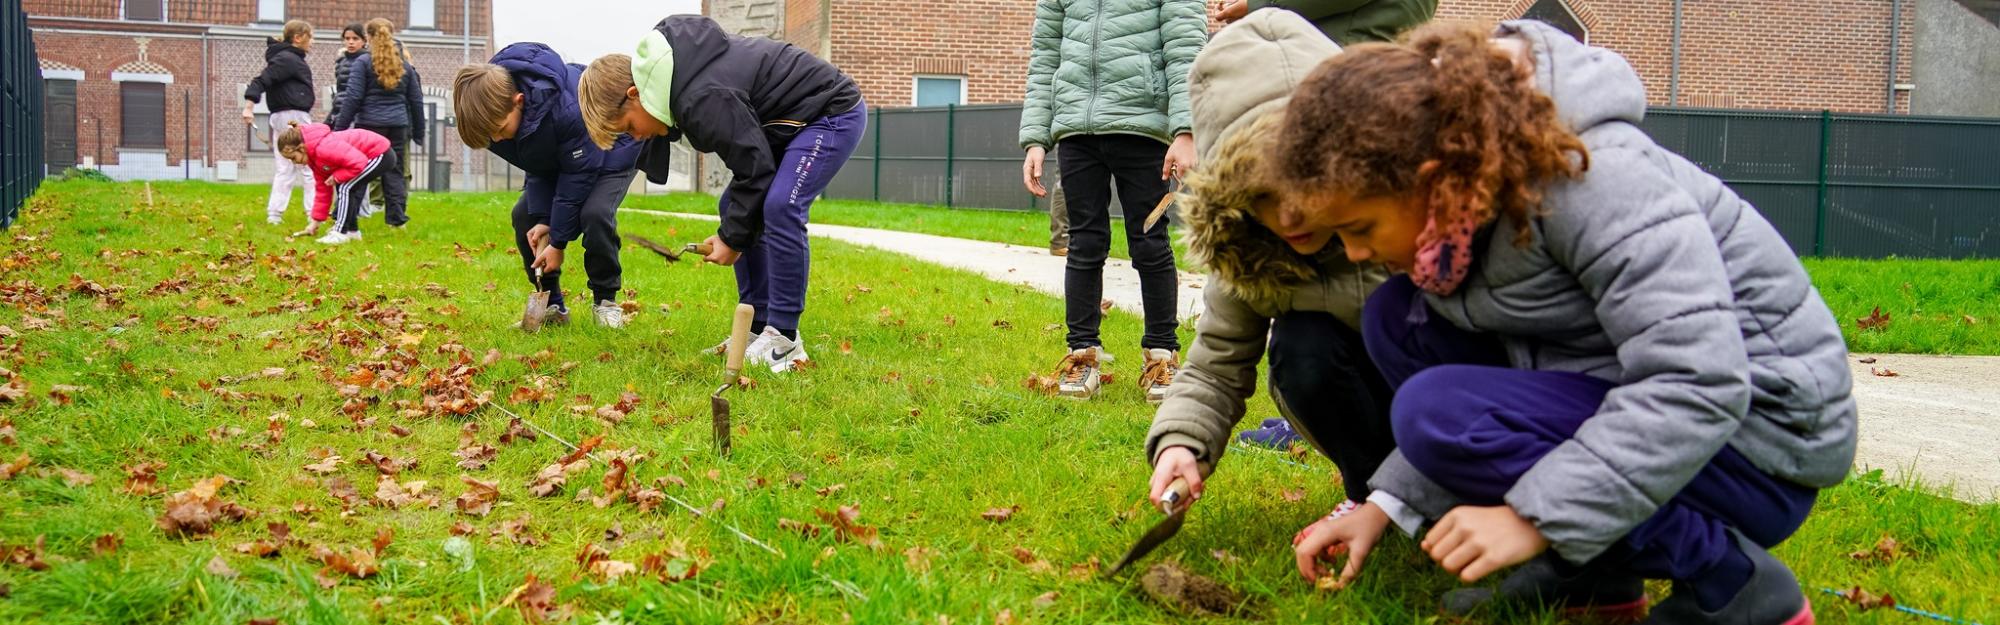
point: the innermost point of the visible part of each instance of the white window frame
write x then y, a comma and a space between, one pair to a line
165, 11
165, 79
271, 11
63, 74
429, 22
964, 86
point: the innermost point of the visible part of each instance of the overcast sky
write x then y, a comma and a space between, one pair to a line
581, 30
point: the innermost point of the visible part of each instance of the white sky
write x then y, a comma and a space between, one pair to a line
581, 30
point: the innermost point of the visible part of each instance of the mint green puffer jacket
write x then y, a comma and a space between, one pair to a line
1111, 66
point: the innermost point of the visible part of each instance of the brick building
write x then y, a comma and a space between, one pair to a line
150, 89
1802, 55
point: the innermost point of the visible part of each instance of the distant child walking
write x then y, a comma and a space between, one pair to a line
1108, 86
1607, 366
343, 163
286, 88
782, 120
522, 106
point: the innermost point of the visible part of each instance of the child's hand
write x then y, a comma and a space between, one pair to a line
538, 237
1031, 171
550, 260
1180, 157
1473, 541
721, 253
1176, 462
1230, 11
1355, 534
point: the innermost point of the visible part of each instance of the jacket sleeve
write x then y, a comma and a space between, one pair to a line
538, 194
350, 99
1045, 55
275, 73
339, 89
413, 95
1313, 10
1645, 253
573, 185
723, 120
1207, 396
1183, 31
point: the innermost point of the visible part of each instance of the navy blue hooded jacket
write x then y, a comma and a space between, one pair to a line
365, 102
551, 145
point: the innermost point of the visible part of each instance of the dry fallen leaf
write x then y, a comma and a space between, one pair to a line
1867, 361
220, 568
1293, 494
1884, 372
997, 515
1874, 321
846, 527
1885, 550
11, 469
479, 497
535, 599
106, 544
326, 465
1867, 600
194, 512
75, 478
802, 528
918, 559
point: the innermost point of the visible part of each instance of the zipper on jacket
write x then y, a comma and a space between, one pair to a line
1096, 39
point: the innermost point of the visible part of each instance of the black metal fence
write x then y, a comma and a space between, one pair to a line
20, 114
1834, 184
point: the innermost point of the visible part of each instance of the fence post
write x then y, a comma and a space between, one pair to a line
950, 148
877, 160
1819, 199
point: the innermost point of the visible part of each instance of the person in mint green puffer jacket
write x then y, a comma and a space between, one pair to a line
1108, 86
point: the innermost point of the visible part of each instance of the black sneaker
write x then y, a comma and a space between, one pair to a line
1538, 585
1772, 596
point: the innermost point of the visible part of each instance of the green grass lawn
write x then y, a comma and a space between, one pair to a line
151, 332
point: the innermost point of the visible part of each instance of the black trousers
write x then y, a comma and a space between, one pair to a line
395, 213
1090, 164
1325, 384
348, 197
599, 219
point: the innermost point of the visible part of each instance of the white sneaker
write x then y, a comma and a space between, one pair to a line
337, 238
784, 354
755, 353
609, 314
1080, 375
275, 220
1161, 367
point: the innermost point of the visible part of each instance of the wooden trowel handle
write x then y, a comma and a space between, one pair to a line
739, 339
1178, 495
699, 249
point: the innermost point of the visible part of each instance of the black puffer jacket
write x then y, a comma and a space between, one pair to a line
286, 79
340, 66
366, 102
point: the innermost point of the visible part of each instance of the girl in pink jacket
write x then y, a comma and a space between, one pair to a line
349, 160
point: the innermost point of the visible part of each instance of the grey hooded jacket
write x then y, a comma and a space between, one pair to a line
1647, 272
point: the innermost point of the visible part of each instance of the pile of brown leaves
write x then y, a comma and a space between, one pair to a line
195, 511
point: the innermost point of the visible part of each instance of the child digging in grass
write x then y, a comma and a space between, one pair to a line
1608, 367
522, 107
349, 160
782, 120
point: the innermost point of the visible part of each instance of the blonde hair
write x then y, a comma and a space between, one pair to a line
482, 96
295, 28
382, 45
292, 143
600, 93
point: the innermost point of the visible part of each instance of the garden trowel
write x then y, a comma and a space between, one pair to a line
672, 255
739, 339
1161, 210
538, 306
1174, 504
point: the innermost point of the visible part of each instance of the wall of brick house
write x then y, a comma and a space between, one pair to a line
1803, 55
884, 44
323, 14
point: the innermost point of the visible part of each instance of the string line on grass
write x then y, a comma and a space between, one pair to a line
844, 587
1909, 610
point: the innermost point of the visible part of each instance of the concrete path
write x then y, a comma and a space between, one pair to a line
1938, 419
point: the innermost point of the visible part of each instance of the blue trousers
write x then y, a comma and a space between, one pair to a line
1474, 425
772, 274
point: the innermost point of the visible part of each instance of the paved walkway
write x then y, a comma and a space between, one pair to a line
1939, 417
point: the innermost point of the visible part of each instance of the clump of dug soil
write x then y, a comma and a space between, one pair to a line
1187, 593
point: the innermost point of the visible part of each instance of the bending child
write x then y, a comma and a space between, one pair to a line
522, 107
342, 163
782, 120
1607, 365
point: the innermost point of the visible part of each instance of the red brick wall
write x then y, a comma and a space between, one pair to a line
880, 43
323, 14
803, 26
1805, 55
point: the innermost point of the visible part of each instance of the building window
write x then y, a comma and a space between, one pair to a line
423, 14
142, 115
272, 11
1556, 13
940, 90
146, 10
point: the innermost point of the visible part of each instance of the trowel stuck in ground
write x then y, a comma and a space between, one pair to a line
538, 306
739, 339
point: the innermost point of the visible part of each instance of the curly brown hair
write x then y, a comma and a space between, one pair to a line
1366, 120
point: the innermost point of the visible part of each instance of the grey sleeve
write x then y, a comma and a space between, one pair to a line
1044, 57
1641, 247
